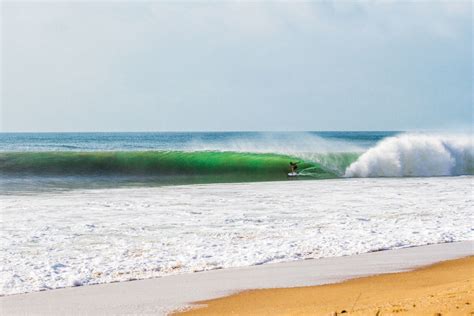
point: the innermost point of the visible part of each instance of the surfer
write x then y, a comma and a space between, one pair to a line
293, 166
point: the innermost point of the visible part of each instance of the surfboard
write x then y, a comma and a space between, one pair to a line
292, 174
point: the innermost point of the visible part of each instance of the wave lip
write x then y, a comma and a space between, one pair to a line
416, 155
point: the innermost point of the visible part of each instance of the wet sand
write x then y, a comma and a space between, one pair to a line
444, 288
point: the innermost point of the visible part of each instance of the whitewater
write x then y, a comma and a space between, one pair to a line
416, 155
80, 209
82, 237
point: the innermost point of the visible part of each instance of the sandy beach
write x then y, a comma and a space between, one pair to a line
444, 288
160, 296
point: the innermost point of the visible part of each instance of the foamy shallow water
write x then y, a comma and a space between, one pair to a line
83, 237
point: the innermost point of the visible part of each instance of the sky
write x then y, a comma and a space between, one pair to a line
231, 66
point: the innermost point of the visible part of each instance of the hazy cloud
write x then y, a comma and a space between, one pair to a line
69, 66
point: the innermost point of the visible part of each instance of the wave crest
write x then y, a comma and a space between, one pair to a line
416, 155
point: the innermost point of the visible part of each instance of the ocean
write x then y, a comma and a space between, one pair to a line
45, 161
88, 208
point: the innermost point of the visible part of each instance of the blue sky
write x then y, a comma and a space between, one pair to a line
189, 66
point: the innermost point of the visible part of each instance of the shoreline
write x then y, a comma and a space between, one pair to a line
172, 293
444, 288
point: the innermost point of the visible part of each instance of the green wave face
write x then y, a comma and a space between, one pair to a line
335, 163
209, 166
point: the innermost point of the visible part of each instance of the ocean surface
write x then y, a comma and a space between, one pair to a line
49, 161
87, 208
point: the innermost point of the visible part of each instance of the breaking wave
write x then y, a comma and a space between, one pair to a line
404, 155
416, 155
227, 166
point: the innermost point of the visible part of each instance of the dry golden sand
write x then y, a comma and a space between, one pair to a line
445, 288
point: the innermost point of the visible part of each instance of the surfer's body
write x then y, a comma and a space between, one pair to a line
293, 167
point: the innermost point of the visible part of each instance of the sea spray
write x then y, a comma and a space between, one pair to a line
416, 155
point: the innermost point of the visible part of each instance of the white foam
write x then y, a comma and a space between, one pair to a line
416, 155
97, 236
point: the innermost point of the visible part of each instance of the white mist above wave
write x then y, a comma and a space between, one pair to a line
301, 144
416, 155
